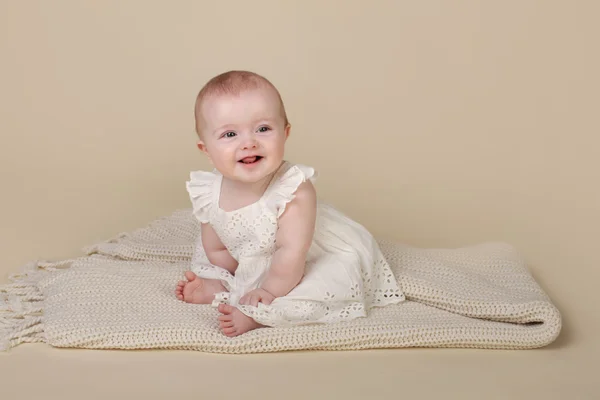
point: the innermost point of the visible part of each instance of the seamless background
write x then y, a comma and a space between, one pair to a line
433, 123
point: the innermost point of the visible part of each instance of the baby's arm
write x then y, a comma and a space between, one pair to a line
216, 252
293, 240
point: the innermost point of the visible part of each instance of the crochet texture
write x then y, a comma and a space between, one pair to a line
120, 295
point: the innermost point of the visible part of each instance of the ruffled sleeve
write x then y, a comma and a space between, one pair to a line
284, 189
200, 188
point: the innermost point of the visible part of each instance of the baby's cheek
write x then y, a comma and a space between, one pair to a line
228, 151
275, 144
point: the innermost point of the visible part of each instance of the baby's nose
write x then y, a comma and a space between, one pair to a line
250, 143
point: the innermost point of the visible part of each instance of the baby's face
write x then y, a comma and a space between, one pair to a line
244, 136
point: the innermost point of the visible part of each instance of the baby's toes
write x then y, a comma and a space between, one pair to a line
229, 331
226, 324
225, 318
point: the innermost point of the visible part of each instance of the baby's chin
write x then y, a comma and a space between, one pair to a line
257, 170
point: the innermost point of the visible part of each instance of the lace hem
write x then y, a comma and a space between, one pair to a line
381, 288
220, 298
302, 312
209, 271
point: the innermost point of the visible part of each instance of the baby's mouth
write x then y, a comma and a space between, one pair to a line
250, 160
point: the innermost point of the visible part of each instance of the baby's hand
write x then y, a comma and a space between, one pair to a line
255, 296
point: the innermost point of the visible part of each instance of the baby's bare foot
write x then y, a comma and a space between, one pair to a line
198, 290
233, 322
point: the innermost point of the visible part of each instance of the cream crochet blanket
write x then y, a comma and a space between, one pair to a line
120, 295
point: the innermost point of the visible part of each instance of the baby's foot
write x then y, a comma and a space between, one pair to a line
198, 290
233, 322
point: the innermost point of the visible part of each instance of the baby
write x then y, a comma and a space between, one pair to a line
269, 253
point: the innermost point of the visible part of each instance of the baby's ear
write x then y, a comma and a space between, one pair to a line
202, 148
288, 127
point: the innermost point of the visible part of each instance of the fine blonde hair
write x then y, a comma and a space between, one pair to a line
233, 83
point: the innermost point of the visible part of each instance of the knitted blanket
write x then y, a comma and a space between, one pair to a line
120, 295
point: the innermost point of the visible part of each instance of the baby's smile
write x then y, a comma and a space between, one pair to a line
251, 160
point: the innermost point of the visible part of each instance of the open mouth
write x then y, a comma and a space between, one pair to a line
251, 160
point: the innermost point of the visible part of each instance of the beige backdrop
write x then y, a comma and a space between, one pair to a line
435, 123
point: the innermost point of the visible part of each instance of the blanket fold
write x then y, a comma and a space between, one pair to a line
120, 295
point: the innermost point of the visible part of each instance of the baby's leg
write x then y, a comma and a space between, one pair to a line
198, 290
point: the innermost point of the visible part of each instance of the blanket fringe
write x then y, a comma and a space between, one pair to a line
21, 304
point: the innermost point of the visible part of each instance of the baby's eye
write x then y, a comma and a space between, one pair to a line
229, 134
264, 129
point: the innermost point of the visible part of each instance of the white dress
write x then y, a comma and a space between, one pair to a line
346, 274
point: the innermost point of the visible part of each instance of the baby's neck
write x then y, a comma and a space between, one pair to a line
247, 189
235, 194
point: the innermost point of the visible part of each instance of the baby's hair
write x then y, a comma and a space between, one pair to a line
233, 83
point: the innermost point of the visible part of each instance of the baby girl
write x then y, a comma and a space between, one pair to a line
269, 253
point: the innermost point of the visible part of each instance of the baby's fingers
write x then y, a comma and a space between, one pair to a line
267, 300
